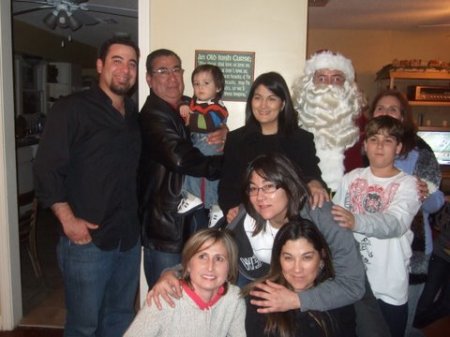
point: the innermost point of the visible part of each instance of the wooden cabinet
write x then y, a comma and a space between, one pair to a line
426, 113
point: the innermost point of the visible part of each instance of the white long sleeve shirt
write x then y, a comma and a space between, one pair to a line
384, 209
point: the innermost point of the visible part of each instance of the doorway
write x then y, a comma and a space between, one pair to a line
42, 295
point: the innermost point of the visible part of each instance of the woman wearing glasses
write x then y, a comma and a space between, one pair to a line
273, 193
271, 126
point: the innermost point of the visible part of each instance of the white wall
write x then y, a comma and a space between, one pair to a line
276, 35
274, 30
10, 290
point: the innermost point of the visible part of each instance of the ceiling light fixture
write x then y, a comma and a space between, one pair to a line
51, 19
62, 18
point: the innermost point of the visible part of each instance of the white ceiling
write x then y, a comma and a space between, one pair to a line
354, 14
91, 35
381, 14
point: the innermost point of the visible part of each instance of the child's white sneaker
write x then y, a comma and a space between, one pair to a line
189, 203
215, 214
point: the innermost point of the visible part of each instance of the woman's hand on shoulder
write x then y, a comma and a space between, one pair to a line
318, 194
422, 189
232, 213
272, 297
168, 287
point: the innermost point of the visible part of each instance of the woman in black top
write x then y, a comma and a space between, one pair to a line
271, 126
300, 260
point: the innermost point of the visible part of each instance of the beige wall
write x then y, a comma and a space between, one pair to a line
370, 50
275, 31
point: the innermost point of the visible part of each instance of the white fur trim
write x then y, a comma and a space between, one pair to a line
332, 166
330, 60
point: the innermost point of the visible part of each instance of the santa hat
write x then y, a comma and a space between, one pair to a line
327, 59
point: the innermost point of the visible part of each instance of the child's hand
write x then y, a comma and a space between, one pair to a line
185, 113
343, 217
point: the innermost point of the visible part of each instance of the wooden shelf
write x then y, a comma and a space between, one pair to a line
428, 103
420, 75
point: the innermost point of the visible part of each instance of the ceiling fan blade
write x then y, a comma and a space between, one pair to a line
29, 10
120, 11
36, 2
84, 18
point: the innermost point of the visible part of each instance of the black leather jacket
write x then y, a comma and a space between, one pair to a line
167, 155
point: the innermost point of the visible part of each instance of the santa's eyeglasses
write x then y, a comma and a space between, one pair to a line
329, 79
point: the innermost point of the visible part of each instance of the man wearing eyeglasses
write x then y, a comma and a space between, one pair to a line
329, 102
167, 155
330, 106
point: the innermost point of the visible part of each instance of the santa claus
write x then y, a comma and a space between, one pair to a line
330, 104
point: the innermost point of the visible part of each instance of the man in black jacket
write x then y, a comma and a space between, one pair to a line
167, 155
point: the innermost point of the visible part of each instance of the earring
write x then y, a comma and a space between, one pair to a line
321, 265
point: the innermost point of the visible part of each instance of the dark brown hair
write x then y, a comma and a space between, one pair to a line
217, 74
106, 45
283, 323
278, 169
159, 53
288, 116
390, 125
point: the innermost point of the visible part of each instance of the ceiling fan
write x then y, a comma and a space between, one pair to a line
72, 13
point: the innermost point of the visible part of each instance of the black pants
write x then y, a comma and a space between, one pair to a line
369, 319
434, 302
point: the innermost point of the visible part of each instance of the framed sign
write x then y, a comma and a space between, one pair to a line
238, 69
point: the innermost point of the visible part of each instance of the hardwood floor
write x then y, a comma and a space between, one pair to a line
32, 332
439, 328
43, 298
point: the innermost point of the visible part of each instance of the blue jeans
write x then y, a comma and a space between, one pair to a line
100, 288
155, 262
193, 184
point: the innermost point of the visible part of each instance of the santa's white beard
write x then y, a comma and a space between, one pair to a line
329, 114
332, 166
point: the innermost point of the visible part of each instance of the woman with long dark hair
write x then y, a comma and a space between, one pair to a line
301, 259
271, 126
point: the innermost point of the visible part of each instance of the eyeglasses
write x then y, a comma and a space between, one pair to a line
166, 71
329, 79
266, 189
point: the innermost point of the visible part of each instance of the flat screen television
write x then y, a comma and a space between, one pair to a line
438, 138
